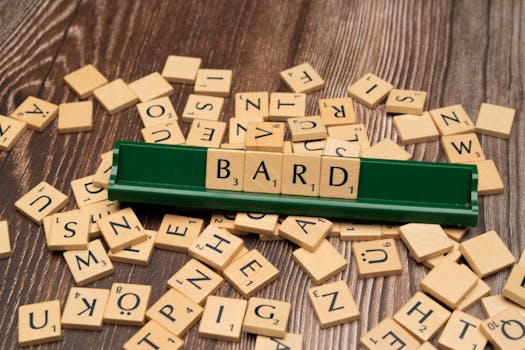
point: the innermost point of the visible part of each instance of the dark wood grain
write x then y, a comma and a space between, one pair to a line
464, 52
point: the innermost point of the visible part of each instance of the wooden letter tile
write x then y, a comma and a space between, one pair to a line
89, 265
406, 102
127, 304
350, 133
306, 232
360, 232
41, 201
222, 318
101, 178
388, 334
452, 120
462, 148
495, 304
422, 316
158, 111
339, 177
260, 223
456, 233
181, 69
69, 231
341, 148
178, 232
115, 96
487, 254
267, 317
196, 281
479, 291
216, 247
333, 304
462, 332
301, 174
454, 255
514, 288
85, 308
85, 80
122, 229
265, 136
224, 169
505, 330
206, 133
249, 105
386, 149
337, 111
97, 211
290, 341
36, 113
495, 120
415, 128
175, 312
237, 130
377, 258
86, 192
75, 117
213, 82
284, 105
154, 336
425, 241
321, 264
302, 78
150, 87
10, 131
314, 147
262, 172
5, 244
138, 254
489, 179
370, 90
167, 134
39, 323
250, 273
203, 108
307, 128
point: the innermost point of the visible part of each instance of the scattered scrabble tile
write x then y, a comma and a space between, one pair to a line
386, 149
390, 231
89, 265
422, 316
495, 120
449, 282
360, 232
157, 111
154, 336
406, 102
377, 258
453, 255
10, 131
175, 312
101, 178
196, 281
350, 133
203, 108
489, 179
315, 147
481, 290
213, 82
260, 223
86, 192
122, 229
237, 131
333, 304
290, 342
425, 241
97, 211
284, 105
487, 254
301, 174
370, 90
302, 78
267, 317
36, 113
249, 105
462, 332
505, 330
307, 128
225, 169
167, 134
215, 247
514, 288
178, 232
151, 87
495, 304
138, 254
75, 117
39, 323
452, 120
85, 80
181, 69
321, 264
250, 273
306, 232
85, 308
206, 133
462, 148
388, 334
415, 128
265, 136
337, 111
69, 231
341, 148
222, 318
41, 201
262, 172
456, 233
5, 244
115, 96
339, 177
127, 304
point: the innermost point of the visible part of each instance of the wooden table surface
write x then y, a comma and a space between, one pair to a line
465, 52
